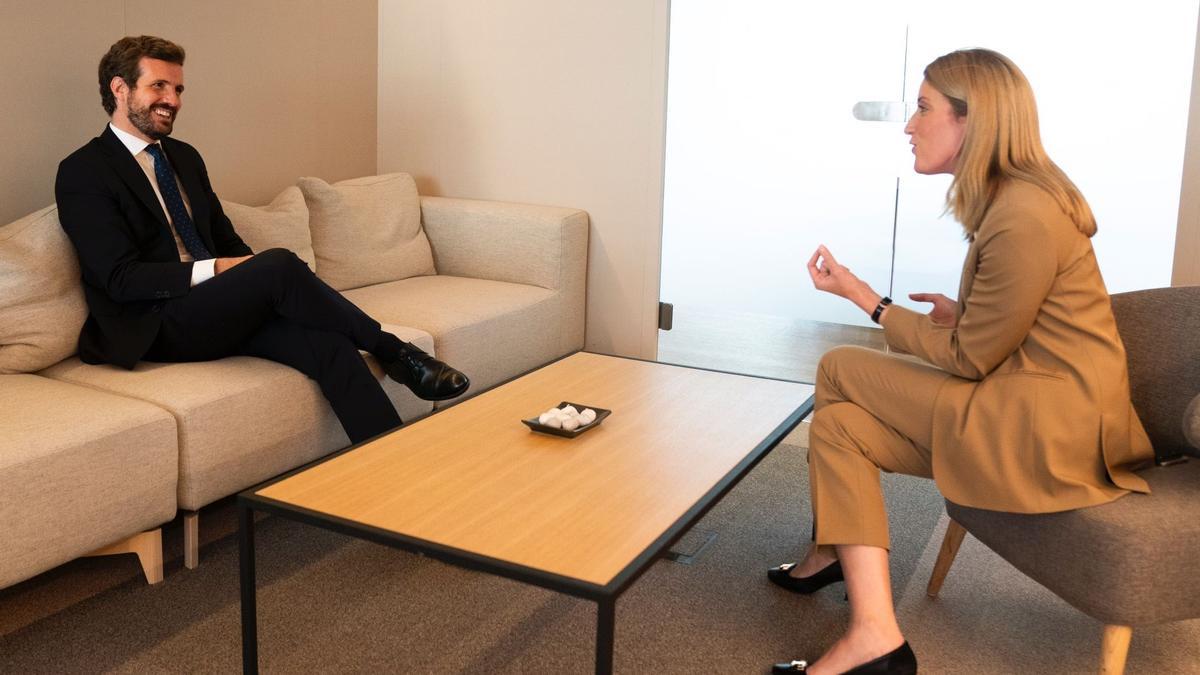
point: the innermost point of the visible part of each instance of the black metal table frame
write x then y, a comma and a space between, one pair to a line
604, 596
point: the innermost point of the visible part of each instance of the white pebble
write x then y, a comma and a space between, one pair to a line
567, 417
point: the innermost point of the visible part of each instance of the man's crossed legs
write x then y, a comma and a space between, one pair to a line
272, 306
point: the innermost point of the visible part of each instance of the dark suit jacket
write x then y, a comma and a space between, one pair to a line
125, 244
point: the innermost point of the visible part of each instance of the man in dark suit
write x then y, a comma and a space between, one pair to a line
168, 279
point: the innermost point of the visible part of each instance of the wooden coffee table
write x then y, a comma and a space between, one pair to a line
586, 516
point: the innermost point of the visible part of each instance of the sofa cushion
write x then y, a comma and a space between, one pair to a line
41, 298
473, 321
367, 230
241, 419
79, 469
281, 224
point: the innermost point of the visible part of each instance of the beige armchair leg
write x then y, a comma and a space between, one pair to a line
950, 544
147, 546
1114, 648
191, 539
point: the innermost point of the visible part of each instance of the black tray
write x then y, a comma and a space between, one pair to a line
601, 413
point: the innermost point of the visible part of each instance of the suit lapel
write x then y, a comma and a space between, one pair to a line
127, 168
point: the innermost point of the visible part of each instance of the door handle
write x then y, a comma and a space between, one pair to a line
883, 111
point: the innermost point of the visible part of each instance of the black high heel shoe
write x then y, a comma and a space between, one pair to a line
899, 661
832, 573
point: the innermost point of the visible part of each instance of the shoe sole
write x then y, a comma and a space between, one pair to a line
456, 394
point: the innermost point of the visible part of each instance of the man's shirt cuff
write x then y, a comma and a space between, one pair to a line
203, 270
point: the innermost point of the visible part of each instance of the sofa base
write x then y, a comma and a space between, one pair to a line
148, 547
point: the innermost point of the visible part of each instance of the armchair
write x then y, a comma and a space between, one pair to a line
1134, 561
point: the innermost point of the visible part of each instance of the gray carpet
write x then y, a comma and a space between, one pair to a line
329, 603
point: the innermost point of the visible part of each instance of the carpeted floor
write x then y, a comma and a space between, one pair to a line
329, 603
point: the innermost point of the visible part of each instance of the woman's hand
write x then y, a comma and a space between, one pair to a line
945, 310
830, 276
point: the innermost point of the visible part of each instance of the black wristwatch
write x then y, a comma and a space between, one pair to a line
883, 302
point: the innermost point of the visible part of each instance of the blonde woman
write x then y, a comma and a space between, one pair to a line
1022, 402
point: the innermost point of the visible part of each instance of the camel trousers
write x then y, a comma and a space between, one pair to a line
872, 411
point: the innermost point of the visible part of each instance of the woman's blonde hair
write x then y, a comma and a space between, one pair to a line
1002, 141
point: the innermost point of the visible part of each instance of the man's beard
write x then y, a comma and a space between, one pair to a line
146, 121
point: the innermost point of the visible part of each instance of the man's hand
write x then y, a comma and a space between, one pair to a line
945, 310
226, 264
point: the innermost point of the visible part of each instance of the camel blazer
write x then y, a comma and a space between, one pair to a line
1037, 417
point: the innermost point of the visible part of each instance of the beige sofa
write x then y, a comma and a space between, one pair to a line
96, 458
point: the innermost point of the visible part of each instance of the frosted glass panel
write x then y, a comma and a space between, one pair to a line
764, 159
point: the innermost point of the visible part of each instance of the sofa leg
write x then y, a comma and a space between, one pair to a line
950, 544
147, 546
1114, 648
191, 539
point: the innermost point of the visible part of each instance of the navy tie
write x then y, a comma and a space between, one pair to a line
174, 201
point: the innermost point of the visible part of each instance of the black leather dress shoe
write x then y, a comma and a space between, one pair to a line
899, 661
428, 378
832, 573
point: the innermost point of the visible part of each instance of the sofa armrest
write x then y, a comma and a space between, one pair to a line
520, 243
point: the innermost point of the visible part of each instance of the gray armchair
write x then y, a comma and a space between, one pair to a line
1135, 561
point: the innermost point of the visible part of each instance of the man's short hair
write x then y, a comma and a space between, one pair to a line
122, 61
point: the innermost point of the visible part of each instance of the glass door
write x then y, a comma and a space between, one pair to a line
766, 160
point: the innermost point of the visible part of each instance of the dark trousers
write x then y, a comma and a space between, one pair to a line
273, 307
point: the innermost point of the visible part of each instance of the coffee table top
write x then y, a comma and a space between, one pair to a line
474, 479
